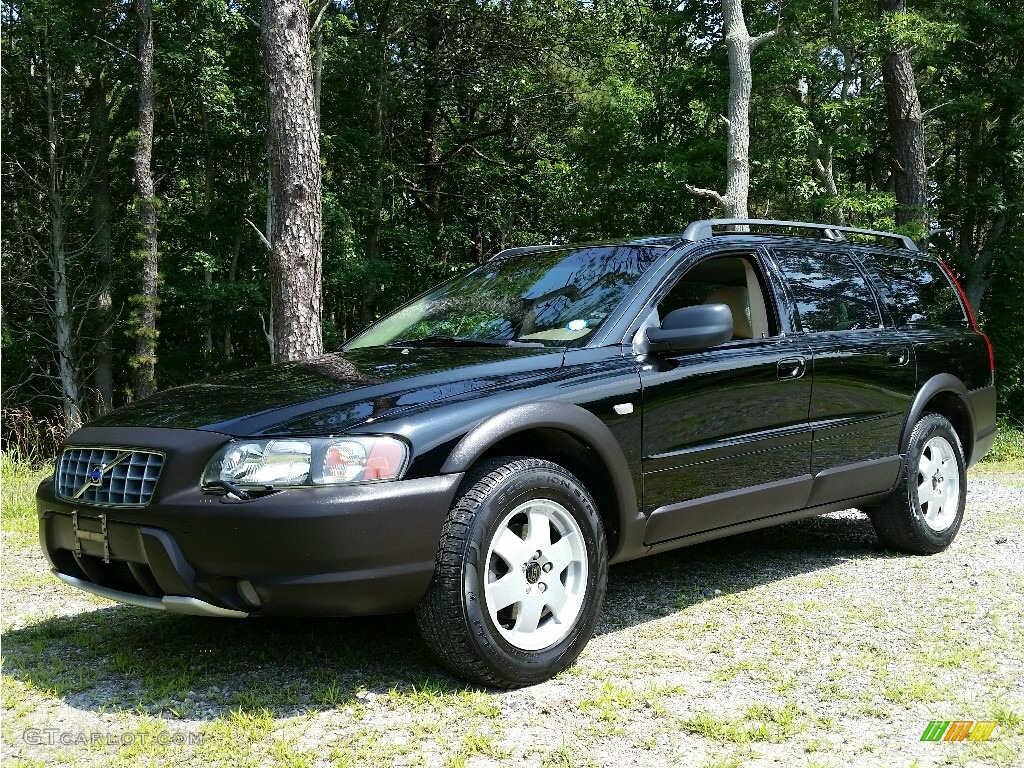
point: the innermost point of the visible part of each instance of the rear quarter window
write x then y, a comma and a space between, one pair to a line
919, 292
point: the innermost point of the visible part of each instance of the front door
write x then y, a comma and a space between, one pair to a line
725, 434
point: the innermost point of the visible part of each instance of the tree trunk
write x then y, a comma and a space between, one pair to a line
268, 328
428, 127
906, 131
103, 377
318, 73
740, 45
236, 248
145, 192
979, 277
293, 147
210, 245
366, 305
476, 251
821, 164
63, 325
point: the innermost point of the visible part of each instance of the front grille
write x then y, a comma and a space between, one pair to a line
116, 476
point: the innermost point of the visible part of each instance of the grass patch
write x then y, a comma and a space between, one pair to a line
478, 743
913, 690
369, 748
18, 482
1009, 472
724, 761
609, 702
759, 722
228, 738
1009, 443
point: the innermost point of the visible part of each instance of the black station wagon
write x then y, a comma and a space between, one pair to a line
484, 453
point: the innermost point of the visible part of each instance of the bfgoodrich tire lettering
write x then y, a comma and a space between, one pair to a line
520, 574
923, 514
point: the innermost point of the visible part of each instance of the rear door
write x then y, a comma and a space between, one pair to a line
725, 435
863, 368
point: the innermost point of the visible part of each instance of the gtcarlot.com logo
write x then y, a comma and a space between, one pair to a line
958, 730
55, 737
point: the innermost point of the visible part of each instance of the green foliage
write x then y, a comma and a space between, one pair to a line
20, 476
550, 122
1009, 443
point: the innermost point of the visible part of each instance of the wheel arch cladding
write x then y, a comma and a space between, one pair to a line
943, 394
567, 435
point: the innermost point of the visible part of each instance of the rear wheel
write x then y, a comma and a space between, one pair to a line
520, 574
924, 512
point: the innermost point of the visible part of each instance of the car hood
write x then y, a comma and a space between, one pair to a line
329, 394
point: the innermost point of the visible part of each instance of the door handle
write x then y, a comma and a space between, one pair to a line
898, 356
792, 368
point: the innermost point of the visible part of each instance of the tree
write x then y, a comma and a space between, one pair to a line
740, 46
293, 141
145, 193
62, 309
46, 173
906, 127
448, 132
103, 377
979, 171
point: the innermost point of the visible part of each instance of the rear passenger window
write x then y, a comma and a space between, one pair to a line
920, 292
831, 293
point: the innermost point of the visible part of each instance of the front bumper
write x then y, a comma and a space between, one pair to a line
345, 551
189, 605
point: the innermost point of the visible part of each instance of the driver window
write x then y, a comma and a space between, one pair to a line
730, 280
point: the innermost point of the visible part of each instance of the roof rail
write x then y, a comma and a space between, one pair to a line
702, 230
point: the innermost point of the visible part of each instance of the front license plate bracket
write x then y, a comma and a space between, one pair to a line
98, 536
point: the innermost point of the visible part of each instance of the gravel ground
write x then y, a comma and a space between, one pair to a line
802, 645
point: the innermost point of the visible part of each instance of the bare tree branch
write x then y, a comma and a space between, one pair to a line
710, 194
116, 48
263, 238
319, 17
764, 37
935, 108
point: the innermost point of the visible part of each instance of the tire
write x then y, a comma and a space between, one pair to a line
489, 613
923, 514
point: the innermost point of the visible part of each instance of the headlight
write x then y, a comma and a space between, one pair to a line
307, 462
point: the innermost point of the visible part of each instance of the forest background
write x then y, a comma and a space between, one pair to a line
447, 132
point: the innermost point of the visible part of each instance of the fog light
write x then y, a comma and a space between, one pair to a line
248, 593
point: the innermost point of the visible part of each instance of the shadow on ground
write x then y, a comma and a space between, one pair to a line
176, 666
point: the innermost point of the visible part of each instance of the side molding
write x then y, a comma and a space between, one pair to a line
578, 422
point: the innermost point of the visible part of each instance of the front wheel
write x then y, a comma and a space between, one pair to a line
520, 574
924, 512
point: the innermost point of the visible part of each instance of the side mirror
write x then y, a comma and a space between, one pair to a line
690, 328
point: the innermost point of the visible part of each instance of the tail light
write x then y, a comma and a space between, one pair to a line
970, 314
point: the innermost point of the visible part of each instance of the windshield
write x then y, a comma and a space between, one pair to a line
541, 298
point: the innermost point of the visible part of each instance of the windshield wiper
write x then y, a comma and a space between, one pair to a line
461, 341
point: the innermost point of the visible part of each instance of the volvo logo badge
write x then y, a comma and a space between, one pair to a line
532, 572
94, 479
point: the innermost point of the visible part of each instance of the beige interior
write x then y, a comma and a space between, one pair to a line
735, 296
749, 313
758, 310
